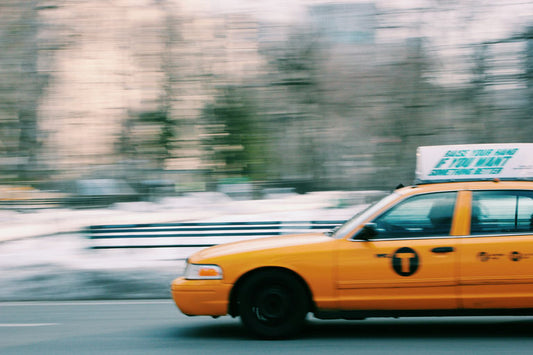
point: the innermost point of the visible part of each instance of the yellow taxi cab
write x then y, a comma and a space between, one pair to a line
457, 242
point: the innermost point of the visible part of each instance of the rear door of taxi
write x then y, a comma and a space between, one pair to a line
496, 257
411, 264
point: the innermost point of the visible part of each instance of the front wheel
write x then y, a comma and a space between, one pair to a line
273, 304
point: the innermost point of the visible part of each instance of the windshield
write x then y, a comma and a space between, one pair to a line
360, 217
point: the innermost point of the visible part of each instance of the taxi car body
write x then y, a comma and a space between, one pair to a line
462, 247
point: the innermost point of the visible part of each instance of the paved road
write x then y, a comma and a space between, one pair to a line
156, 327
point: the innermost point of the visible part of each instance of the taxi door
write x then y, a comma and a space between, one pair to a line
496, 258
410, 263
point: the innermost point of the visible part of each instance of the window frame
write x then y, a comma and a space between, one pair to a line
510, 192
413, 237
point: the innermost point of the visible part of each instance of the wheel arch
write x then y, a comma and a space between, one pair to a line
233, 309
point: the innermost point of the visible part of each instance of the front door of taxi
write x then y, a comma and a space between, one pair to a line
410, 265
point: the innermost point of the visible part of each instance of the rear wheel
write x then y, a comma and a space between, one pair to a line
273, 304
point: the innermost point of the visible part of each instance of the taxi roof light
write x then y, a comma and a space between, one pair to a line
474, 162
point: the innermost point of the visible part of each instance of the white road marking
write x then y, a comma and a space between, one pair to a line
83, 303
14, 325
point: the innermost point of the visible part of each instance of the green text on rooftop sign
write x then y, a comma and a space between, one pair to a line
462, 162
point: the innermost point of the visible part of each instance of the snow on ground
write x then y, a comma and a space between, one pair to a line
44, 256
192, 207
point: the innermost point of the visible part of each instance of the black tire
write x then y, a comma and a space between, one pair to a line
273, 304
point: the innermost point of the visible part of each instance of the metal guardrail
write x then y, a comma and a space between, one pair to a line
30, 204
187, 235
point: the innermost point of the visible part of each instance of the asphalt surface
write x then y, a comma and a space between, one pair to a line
157, 327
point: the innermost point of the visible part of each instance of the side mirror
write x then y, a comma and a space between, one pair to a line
368, 232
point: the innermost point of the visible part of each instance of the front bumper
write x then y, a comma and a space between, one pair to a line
201, 297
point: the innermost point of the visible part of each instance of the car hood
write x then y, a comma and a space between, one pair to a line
259, 244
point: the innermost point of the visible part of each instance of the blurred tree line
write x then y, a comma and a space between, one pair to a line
336, 116
20, 89
317, 113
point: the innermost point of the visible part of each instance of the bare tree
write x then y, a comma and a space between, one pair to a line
21, 86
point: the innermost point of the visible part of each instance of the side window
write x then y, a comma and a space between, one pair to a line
418, 216
497, 212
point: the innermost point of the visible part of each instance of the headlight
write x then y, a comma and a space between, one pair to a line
203, 272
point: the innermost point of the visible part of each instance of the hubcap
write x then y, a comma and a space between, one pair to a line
272, 304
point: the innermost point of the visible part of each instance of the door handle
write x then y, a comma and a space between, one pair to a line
442, 250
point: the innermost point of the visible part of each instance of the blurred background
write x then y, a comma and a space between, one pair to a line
123, 100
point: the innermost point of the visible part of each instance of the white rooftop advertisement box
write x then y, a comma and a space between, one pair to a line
474, 162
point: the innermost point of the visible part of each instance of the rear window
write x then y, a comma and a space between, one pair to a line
500, 212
